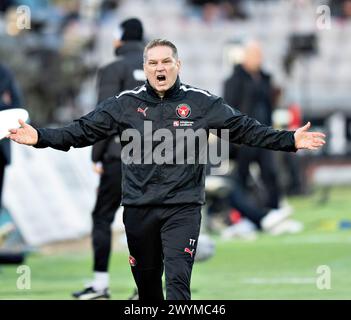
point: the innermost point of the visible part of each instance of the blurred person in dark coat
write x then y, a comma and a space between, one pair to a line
10, 97
126, 72
250, 89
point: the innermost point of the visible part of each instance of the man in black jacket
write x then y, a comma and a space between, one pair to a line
250, 89
124, 73
10, 97
163, 200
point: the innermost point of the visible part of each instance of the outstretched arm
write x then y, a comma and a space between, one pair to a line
87, 130
245, 130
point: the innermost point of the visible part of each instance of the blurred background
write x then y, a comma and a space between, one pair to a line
54, 57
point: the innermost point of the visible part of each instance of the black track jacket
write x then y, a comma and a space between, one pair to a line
182, 107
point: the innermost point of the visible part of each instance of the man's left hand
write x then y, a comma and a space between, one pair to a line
308, 140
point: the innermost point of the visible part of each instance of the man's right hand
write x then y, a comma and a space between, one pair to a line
26, 134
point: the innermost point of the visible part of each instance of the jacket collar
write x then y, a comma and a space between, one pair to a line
170, 93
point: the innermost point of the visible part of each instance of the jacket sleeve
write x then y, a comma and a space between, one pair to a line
246, 130
89, 129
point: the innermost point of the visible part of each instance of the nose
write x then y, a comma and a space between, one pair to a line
160, 66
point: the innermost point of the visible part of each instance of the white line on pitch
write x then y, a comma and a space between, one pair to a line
279, 280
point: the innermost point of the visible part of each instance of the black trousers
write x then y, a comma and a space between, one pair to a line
239, 200
162, 237
107, 202
268, 167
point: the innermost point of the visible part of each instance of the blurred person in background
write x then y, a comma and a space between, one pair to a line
163, 202
250, 89
10, 97
234, 213
341, 9
108, 7
216, 10
123, 74
246, 217
5, 4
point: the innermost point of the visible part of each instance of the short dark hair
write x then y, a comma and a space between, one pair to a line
161, 43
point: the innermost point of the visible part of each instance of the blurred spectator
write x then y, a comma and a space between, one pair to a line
50, 60
10, 97
234, 9
56, 77
5, 4
213, 10
124, 73
107, 7
341, 8
71, 15
250, 89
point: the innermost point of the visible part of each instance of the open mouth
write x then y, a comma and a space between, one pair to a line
161, 79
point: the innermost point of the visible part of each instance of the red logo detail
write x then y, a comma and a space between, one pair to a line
132, 261
191, 252
183, 111
143, 111
175, 123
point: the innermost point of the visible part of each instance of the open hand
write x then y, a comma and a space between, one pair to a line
308, 140
26, 134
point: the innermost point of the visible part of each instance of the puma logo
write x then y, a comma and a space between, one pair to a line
143, 111
191, 252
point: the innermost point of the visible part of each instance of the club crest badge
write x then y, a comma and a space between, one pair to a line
183, 111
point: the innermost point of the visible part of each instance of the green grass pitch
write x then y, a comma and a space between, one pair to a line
283, 267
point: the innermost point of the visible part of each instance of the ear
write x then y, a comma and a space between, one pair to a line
179, 64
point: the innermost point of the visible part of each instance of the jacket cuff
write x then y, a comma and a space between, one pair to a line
40, 143
292, 147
